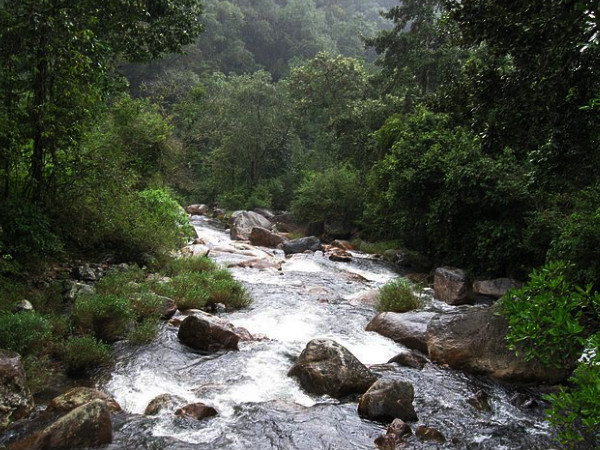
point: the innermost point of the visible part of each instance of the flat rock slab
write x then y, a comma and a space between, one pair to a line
408, 329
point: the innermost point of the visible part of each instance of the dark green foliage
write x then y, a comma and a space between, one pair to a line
25, 333
177, 266
85, 353
438, 192
398, 296
334, 196
109, 317
144, 332
543, 316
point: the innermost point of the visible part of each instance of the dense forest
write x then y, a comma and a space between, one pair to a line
466, 131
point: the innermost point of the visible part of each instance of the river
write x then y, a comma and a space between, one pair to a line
261, 408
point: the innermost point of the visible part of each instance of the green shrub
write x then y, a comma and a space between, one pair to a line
146, 306
554, 321
228, 292
122, 282
334, 196
25, 333
84, 353
40, 372
144, 331
110, 317
375, 247
188, 290
398, 296
192, 264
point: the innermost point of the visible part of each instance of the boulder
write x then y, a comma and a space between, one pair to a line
389, 441
160, 402
23, 306
429, 434
452, 286
399, 428
76, 288
197, 209
369, 297
326, 367
301, 245
340, 256
410, 358
474, 339
196, 411
388, 399
87, 273
342, 245
87, 426
16, 401
208, 333
243, 222
494, 288
265, 238
265, 213
79, 396
408, 329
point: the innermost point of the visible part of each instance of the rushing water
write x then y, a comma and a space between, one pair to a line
261, 408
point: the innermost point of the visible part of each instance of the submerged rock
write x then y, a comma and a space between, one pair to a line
161, 402
309, 243
408, 329
197, 411
388, 399
429, 434
16, 401
494, 288
474, 339
326, 367
452, 286
410, 358
208, 333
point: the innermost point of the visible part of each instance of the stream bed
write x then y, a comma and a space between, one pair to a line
261, 408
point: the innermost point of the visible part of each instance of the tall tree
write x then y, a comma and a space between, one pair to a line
60, 56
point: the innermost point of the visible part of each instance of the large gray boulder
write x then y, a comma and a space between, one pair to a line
79, 396
408, 329
494, 288
301, 245
387, 400
197, 209
452, 286
87, 426
326, 367
208, 333
16, 401
474, 339
244, 221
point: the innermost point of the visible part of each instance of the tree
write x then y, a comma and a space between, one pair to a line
60, 56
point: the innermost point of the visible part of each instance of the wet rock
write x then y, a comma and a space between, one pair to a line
243, 222
399, 428
428, 434
388, 442
388, 399
310, 243
265, 238
196, 411
23, 306
87, 426
494, 288
326, 367
342, 245
162, 402
16, 401
473, 339
365, 298
410, 358
87, 273
219, 213
197, 209
79, 396
452, 286
409, 328
208, 333
480, 401
340, 256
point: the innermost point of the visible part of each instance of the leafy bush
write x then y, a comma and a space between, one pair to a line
122, 282
398, 296
146, 306
334, 196
144, 332
110, 317
228, 292
555, 321
25, 333
84, 353
177, 266
188, 290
